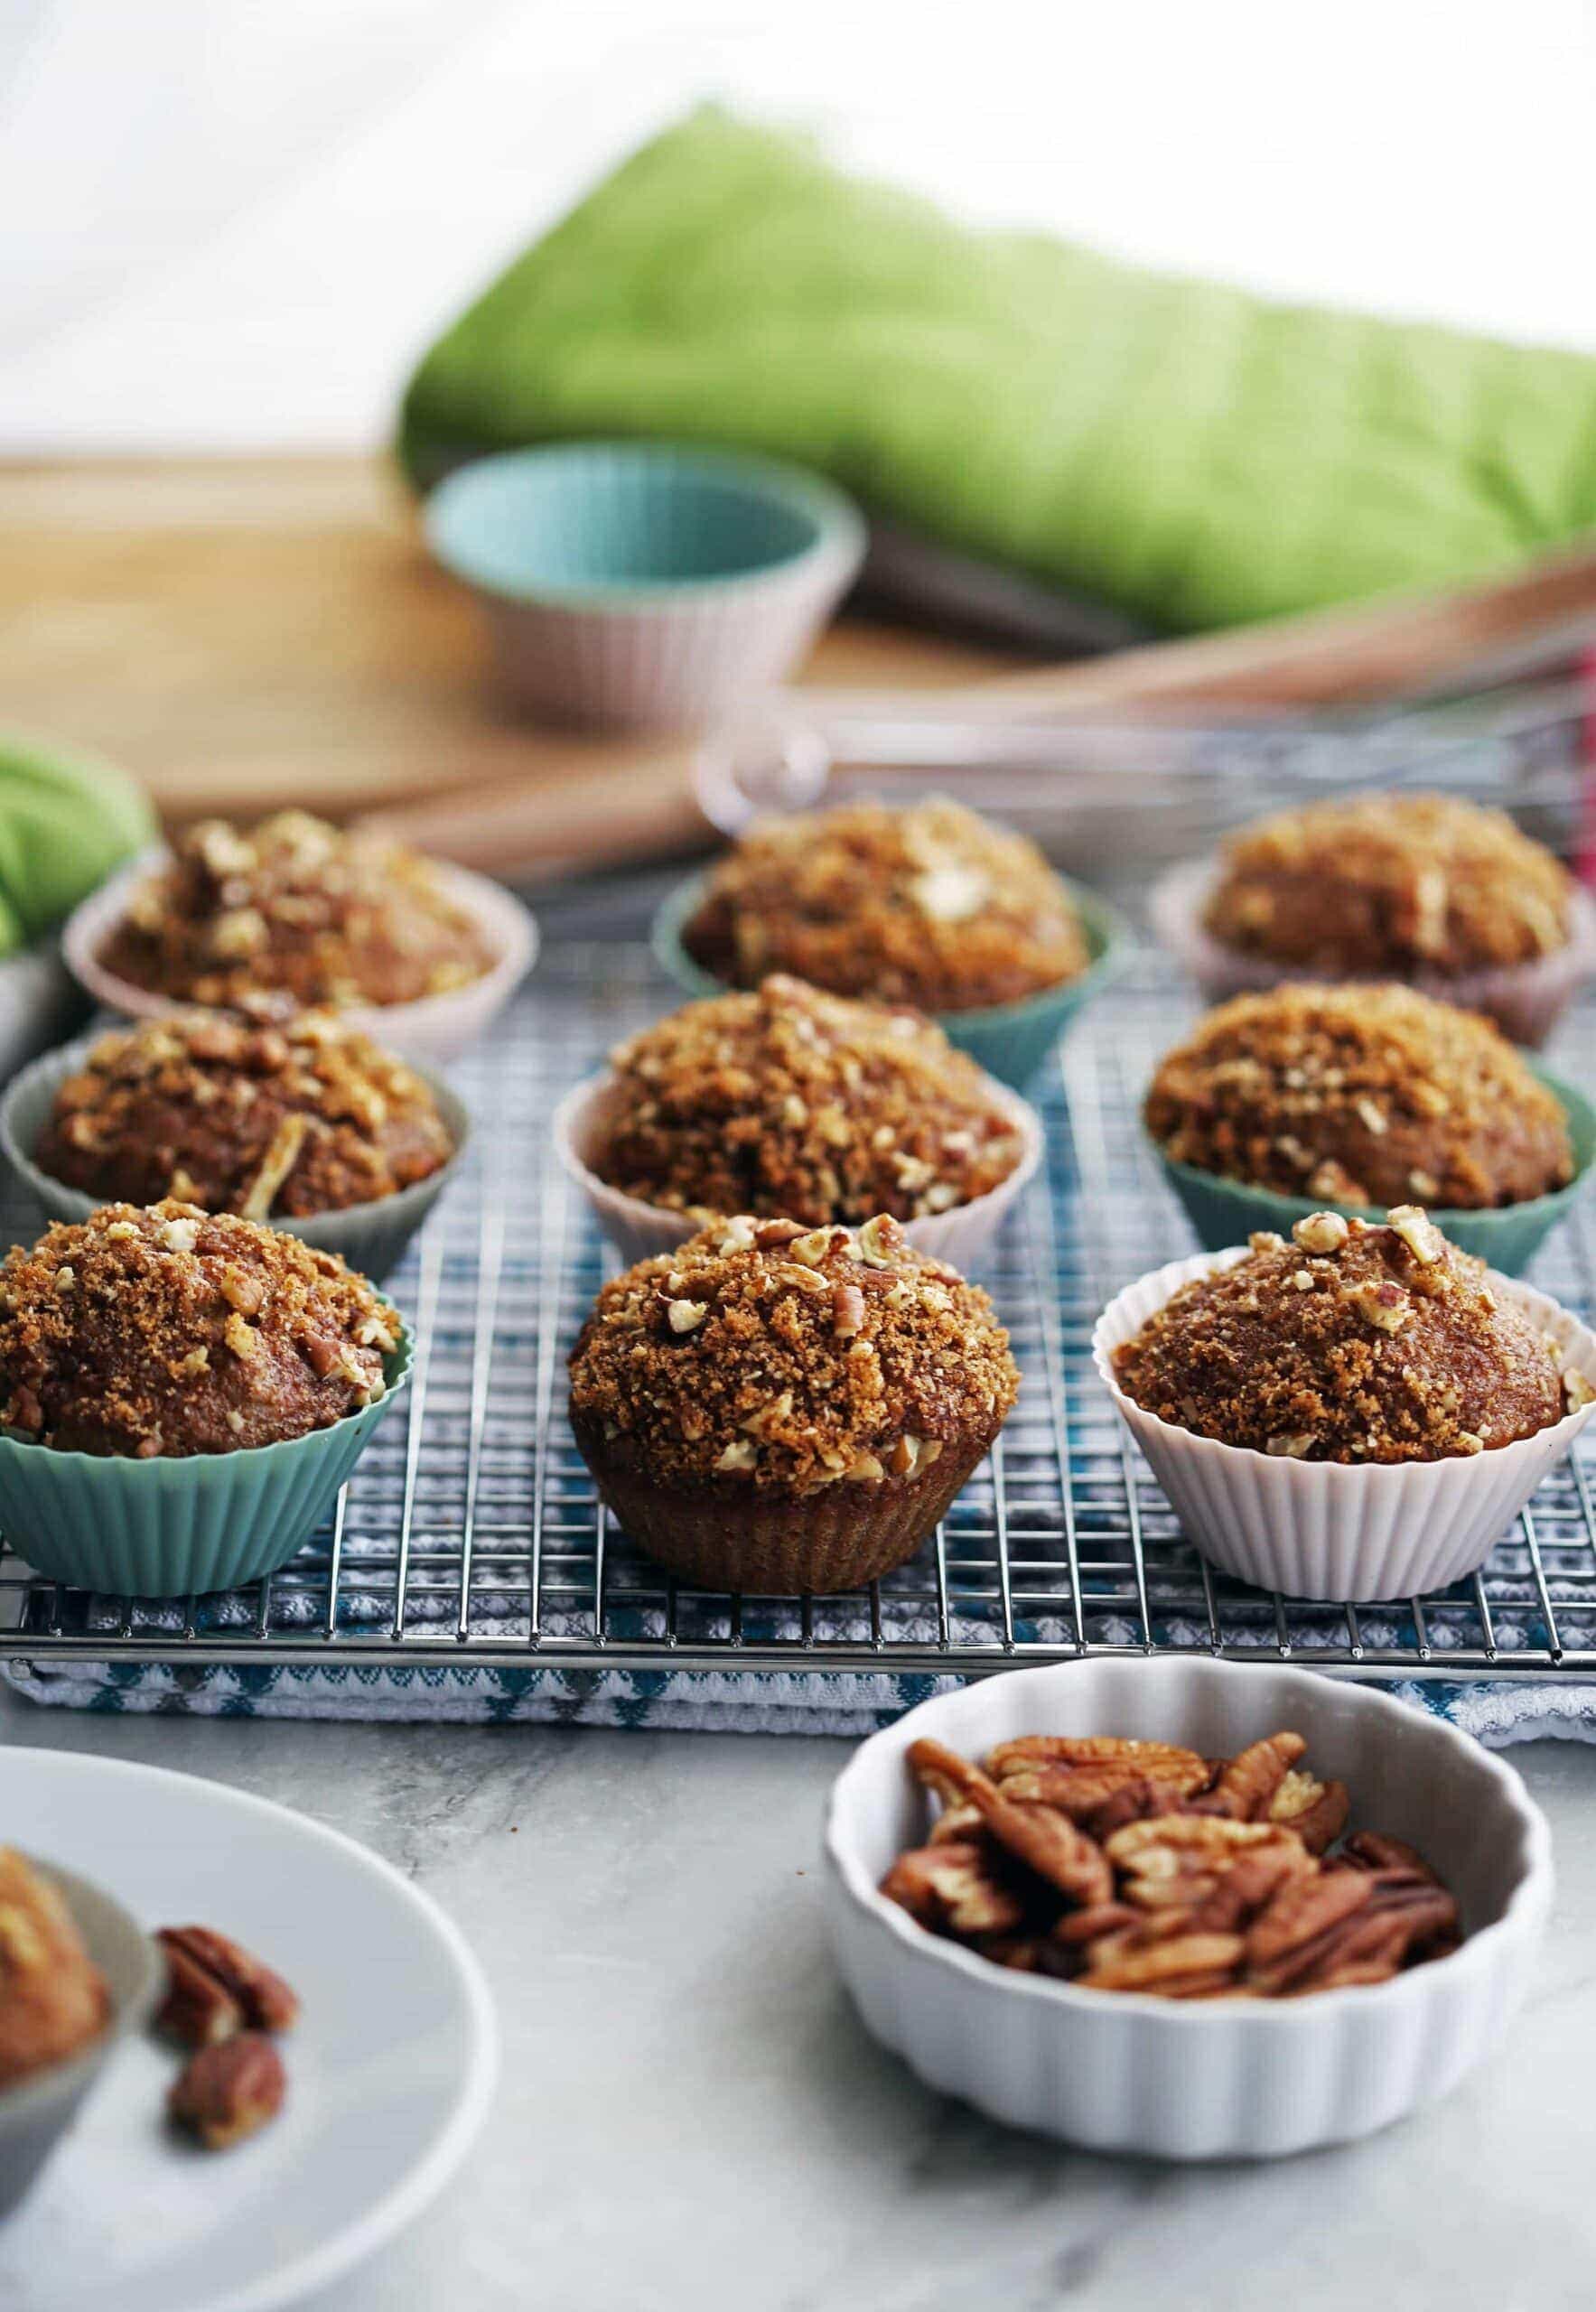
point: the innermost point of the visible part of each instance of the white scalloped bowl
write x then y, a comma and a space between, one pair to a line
1347, 1531
1220, 2080
961, 1237
436, 1027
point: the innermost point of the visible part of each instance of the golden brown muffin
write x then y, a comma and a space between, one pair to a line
54, 2000
168, 1330
1362, 1094
296, 906
770, 1408
1352, 1343
1381, 886
927, 905
789, 1102
294, 1120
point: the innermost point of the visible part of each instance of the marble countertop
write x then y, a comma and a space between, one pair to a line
691, 2116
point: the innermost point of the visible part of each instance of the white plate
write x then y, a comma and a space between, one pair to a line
390, 2069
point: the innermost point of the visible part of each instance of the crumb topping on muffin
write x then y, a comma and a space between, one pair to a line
306, 1117
296, 905
927, 905
53, 2000
1352, 1343
1390, 883
167, 1330
762, 1354
1368, 1095
790, 1102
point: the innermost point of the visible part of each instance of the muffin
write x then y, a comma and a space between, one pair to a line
1353, 1344
1390, 886
786, 1102
276, 1120
928, 905
777, 1409
53, 2000
1371, 1095
168, 1332
299, 907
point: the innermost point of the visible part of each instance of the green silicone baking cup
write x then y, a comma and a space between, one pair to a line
1009, 1040
372, 1237
176, 1528
1506, 1237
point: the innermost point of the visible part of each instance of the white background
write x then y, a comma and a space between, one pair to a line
233, 223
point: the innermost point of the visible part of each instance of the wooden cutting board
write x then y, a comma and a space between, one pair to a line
251, 634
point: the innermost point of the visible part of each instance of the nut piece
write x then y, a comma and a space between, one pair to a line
685, 1315
953, 1884
1387, 1305
265, 2000
1418, 1232
230, 2090
1322, 1232
847, 1310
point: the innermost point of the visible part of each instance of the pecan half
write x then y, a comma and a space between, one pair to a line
952, 1887
262, 1999
1316, 1811
1245, 1787
1287, 1936
1156, 1966
1111, 1750
230, 2090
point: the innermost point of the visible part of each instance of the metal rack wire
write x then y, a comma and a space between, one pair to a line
471, 1531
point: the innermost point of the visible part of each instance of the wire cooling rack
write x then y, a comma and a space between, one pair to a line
471, 1531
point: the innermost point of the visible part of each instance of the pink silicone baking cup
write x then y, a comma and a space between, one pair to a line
1524, 1000
437, 1028
961, 1237
1351, 1531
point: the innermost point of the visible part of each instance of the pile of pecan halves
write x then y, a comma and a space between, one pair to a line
1139, 1866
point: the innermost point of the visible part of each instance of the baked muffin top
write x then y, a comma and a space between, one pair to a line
1352, 1343
927, 905
790, 1102
54, 2000
307, 1117
1377, 885
167, 1330
1371, 1095
296, 905
762, 1354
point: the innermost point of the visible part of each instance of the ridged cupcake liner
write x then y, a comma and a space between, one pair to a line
747, 558
372, 1237
1218, 2079
170, 1528
1506, 1237
961, 1237
1525, 1000
38, 2111
732, 1535
1351, 1532
435, 1028
1010, 1040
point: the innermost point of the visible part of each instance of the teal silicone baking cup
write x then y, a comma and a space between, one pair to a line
180, 1527
372, 1237
1009, 1040
1506, 1237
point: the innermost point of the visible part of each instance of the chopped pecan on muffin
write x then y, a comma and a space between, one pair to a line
1352, 1343
167, 1330
1390, 885
1363, 1094
54, 2000
794, 1103
928, 905
294, 1120
297, 906
775, 1407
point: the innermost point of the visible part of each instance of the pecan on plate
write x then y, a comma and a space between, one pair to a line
216, 1987
228, 2091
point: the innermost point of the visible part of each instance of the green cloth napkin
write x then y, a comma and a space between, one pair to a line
1182, 451
66, 821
